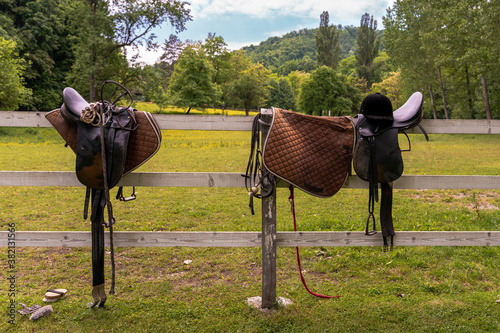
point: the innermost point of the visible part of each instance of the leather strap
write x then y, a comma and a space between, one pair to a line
291, 198
372, 186
97, 220
86, 204
386, 222
254, 175
99, 296
111, 219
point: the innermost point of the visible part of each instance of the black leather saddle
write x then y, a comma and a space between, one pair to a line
109, 141
117, 122
377, 156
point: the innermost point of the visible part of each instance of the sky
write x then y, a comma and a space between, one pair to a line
245, 22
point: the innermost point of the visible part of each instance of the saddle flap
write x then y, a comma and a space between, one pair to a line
380, 154
312, 153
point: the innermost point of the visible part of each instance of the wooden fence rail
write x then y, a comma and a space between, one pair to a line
269, 239
251, 238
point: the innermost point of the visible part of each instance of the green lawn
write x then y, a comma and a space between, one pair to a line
411, 289
154, 108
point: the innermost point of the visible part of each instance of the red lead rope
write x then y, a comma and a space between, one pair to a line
292, 203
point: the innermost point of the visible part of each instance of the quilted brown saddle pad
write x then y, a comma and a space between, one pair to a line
143, 144
312, 153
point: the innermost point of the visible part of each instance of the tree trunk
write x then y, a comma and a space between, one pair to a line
486, 98
469, 92
434, 112
441, 86
188, 110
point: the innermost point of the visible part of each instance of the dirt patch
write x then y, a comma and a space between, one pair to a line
470, 200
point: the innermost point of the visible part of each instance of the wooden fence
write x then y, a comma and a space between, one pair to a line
269, 239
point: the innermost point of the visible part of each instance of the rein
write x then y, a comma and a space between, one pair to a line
292, 203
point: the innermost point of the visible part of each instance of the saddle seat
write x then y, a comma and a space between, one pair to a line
406, 117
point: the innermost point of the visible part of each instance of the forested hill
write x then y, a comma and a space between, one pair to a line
296, 50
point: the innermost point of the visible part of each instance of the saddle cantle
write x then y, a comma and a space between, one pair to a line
109, 141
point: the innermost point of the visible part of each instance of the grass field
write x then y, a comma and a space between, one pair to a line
417, 289
154, 108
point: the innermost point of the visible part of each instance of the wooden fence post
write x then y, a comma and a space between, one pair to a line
268, 236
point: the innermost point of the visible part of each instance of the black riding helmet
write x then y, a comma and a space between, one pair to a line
377, 107
375, 114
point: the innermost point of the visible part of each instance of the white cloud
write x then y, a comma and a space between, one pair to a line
145, 56
299, 8
236, 45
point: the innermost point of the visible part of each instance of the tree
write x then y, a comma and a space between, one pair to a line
327, 43
218, 54
237, 63
296, 78
249, 89
326, 92
191, 83
12, 90
151, 85
45, 43
390, 87
402, 38
105, 29
172, 48
281, 94
367, 48
449, 44
347, 66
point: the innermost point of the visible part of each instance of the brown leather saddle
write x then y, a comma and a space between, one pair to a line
109, 141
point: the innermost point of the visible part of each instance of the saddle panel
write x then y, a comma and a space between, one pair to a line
144, 142
312, 153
